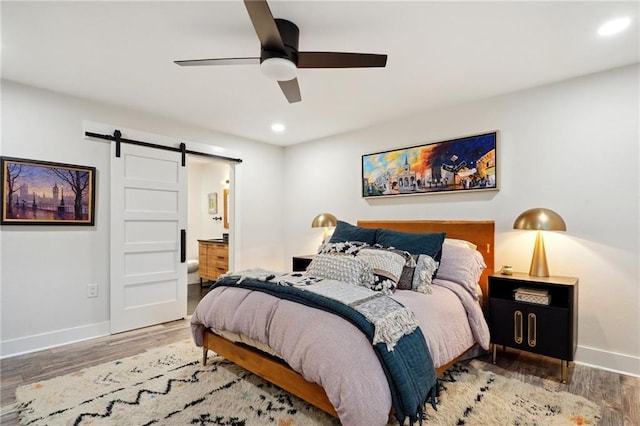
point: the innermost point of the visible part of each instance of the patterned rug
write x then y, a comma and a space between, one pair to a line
169, 386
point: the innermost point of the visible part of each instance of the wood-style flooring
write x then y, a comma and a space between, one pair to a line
617, 395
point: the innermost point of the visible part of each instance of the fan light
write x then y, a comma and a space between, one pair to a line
280, 69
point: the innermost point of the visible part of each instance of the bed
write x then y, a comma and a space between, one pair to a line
254, 353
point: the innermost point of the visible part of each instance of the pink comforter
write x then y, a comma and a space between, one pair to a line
328, 350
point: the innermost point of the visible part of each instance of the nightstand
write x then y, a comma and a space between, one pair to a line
300, 263
545, 329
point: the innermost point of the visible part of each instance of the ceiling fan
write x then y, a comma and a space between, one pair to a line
279, 57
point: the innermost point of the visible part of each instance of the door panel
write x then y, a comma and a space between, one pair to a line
552, 331
148, 210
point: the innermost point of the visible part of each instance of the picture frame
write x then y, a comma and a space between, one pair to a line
38, 192
213, 202
463, 164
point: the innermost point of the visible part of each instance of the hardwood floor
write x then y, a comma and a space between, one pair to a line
616, 394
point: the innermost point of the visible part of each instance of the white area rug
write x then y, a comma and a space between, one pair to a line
469, 396
169, 386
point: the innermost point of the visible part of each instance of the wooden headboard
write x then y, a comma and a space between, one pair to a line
480, 233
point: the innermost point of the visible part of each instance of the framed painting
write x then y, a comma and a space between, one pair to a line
45, 193
457, 165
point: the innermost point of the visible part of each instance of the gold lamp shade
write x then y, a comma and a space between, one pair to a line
539, 219
324, 220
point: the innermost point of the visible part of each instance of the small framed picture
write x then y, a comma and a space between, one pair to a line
213, 203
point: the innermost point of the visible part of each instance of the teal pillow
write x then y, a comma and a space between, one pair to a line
346, 232
428, 243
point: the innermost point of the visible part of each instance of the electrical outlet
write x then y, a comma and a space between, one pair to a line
92, 290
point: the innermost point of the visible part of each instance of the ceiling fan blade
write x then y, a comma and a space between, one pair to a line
265, 25
340, 60
291, 90
221, 61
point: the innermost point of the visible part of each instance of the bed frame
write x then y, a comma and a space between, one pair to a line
274, 370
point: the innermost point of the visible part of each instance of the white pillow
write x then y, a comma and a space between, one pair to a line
460, 243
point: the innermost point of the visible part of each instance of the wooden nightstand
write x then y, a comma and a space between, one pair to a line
300, 263
550, 330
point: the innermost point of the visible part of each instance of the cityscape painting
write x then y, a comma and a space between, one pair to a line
463, 164
45, 193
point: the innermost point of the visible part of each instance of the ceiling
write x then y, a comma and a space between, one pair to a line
439, 54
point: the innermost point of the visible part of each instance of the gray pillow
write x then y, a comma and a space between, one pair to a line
462, 266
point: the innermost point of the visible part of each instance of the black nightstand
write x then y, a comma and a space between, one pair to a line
550, 330
300, 263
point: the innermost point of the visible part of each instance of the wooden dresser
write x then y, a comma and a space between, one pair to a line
213, 257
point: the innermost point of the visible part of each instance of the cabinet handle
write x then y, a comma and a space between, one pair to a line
517, 326
532, 330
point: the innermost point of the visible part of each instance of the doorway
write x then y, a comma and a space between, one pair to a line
208, 183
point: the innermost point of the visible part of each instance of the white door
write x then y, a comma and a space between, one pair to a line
148, 219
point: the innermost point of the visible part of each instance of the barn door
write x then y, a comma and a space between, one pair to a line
148, 222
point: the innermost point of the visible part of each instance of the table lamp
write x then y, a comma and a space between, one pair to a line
539, 219
326, 221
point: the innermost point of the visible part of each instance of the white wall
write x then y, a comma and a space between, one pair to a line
572, 147
45, 270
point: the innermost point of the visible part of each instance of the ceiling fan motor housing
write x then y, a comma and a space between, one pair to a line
290, 35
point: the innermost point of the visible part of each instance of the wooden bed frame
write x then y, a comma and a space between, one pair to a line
274, 370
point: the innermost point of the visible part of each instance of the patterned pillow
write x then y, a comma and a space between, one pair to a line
347, 247
406, 278
341, 267
423, 275
387, 268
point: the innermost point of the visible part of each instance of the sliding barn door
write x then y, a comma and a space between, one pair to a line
148, 216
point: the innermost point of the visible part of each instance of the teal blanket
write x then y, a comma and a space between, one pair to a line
408, 367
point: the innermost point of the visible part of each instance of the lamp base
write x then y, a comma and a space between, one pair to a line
539, 267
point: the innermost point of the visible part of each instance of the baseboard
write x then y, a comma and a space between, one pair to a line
53, 339
610, 361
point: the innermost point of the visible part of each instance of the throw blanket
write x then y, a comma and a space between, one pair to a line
408, 368
390, 319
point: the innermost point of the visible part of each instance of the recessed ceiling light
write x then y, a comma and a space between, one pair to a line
278, 127
614, 26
